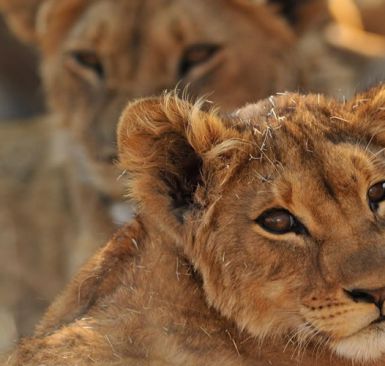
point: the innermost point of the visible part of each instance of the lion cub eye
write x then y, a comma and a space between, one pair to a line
89, 60
195, 55
280, 221
376, 194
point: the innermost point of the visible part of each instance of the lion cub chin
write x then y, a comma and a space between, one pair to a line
259, 240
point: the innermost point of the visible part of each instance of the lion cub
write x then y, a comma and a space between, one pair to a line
259, 240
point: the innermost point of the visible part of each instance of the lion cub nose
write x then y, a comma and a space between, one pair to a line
376, 296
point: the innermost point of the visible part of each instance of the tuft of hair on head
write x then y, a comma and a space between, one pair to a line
368, 114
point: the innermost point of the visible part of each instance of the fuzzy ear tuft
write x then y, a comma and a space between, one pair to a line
168, 146
368, 110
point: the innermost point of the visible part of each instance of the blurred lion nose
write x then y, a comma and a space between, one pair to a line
375, 296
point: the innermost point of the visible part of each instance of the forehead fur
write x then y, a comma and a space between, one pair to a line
294, 124
284, 129
48, 21
302, 135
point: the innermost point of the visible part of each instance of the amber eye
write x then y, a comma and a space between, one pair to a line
376, 194
280, 221
89, 60
195, 55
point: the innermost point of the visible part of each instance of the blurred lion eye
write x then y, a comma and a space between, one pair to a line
89, 60
376, 194
280, 221
195, 55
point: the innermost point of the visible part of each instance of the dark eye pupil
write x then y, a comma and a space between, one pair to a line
376, 194
89, 60
280, 221
195, 55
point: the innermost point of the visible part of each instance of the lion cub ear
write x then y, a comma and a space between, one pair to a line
169, 149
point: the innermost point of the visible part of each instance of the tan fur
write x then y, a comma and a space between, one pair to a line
140, 45
261, 54
195, 280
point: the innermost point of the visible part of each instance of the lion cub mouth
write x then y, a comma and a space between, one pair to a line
351, 322
380, 319
367, 345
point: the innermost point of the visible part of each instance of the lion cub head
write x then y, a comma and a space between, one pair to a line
96, 55
279, 206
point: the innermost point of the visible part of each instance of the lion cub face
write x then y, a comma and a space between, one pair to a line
96, 55
280, 207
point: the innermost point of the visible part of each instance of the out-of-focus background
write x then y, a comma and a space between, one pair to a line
21, 93
21, 98
58, 200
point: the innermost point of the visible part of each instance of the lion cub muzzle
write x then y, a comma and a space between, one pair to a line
375, 296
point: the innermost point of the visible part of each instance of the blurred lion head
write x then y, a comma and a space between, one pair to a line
96, 55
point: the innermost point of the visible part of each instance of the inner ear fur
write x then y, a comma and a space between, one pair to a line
171, 150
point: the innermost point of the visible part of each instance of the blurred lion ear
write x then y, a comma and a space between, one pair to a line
21, 16
167, 147
302, 14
